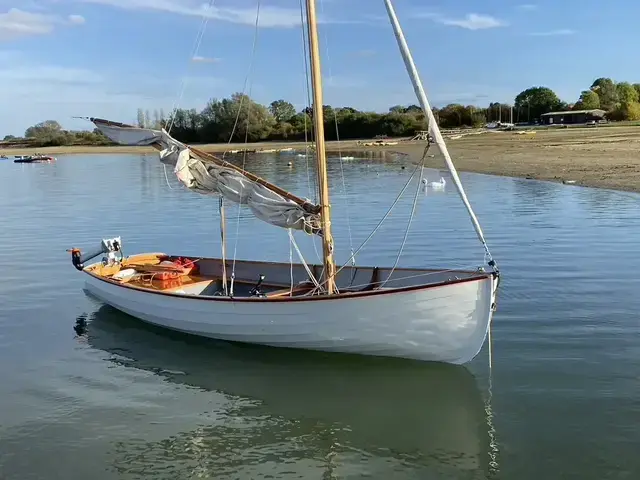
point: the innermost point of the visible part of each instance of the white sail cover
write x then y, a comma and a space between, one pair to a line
207, 177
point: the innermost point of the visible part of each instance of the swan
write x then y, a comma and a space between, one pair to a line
439, 184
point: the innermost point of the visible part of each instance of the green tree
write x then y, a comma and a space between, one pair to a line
632, 111
46, 128
254, 122
588, 101
49, 133
498, 112
282, 110
606, 90
140, 118
536, 101
626, 93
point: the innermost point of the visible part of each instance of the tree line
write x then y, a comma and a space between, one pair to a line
51, 134
239, 118
619, 100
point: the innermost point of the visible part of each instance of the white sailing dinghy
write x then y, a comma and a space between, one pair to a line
424, 314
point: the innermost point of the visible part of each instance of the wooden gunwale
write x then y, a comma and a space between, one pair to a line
474, 277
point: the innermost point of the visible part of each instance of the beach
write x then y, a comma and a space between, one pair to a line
606, 157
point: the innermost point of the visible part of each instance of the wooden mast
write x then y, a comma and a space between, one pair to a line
321, 154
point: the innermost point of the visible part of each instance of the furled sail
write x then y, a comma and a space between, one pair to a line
207, 174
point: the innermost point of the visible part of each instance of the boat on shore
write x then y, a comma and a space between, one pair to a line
429, 314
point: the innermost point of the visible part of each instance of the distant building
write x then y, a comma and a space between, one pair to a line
572, 116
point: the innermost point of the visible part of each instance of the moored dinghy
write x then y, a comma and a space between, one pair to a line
425, 314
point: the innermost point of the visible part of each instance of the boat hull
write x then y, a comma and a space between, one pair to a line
444, 323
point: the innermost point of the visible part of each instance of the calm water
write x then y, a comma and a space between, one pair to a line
117, 399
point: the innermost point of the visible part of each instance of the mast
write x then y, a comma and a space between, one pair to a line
321, 154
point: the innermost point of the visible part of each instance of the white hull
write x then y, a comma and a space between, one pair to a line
446, 323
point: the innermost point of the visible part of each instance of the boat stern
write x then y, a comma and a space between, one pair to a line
112, 247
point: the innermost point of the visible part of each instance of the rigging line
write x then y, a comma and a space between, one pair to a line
433, 125
246, 136
335, 121
313, 189
223, 242
246, 80
413, 211
377, 227
302, 260
290, 262
195, 50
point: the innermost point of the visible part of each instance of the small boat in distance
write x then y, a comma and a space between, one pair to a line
37, 158
429, 314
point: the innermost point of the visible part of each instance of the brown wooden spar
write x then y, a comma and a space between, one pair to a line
305, 204
321, 154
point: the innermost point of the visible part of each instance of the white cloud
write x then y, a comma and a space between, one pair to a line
76, 19
201, 59
34, 92
52, 75
17, 23
270, 16
471, 21
553, 33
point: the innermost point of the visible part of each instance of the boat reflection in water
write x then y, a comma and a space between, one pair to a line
299, 412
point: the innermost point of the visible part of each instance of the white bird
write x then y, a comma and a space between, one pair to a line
435, 185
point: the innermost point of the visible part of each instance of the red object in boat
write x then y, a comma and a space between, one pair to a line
189, 266
176, 269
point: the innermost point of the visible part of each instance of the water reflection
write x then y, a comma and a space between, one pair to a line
299, 411
530, 197
600, 203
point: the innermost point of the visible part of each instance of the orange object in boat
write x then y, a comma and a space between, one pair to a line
167, 275
189, 266
168, 283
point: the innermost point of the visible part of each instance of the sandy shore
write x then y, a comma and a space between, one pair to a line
607, 157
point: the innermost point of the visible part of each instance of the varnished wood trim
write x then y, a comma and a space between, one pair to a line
344, 296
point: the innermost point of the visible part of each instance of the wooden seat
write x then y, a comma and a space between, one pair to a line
285, 292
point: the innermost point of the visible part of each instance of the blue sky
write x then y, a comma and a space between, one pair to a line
60, 58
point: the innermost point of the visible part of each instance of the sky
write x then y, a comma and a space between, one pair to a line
107, 58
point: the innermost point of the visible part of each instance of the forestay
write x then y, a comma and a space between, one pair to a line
207, 177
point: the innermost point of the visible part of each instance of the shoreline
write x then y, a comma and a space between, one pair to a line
593, 157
